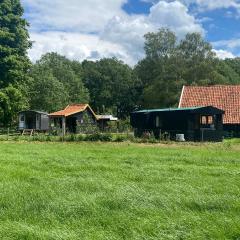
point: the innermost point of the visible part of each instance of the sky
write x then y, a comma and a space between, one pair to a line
94, 29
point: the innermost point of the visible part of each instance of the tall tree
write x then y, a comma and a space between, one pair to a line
14, 43
55, 83
159, 71
46, 93
199, 62
113, 86
65, 71
170, 64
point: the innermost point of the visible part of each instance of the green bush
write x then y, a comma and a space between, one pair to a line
81, 138
103, 137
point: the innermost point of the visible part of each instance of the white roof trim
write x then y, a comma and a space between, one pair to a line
180, 102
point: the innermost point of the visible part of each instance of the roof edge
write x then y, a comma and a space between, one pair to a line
180, 101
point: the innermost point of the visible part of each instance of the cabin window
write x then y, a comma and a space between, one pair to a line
210, 120
207, 121
22, 119
37, 117
204, 120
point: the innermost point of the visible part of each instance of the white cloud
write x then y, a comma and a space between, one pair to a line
175, 16
128, 31
207, 4
229, 44
67, 27
75, 46
223, 54
74, 15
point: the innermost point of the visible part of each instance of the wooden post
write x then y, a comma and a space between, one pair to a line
63, 127
8, 133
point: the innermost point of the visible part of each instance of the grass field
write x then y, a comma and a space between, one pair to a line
78, 191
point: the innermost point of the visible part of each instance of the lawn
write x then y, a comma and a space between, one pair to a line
78, 191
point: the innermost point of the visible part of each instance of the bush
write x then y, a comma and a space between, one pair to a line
81, 138
106, 137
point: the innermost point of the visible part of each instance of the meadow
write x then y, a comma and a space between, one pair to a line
72, 191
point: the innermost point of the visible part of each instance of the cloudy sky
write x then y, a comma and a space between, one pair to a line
92, 29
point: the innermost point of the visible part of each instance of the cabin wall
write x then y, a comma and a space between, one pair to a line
44, 123
177, 122
83, 122
231, 130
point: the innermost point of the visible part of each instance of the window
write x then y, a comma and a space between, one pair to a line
210, 120
22, 119
204, 120
207, 120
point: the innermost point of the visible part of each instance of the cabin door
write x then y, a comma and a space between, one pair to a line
37, 122
21, 121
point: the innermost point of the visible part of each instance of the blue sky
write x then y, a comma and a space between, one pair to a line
93, 29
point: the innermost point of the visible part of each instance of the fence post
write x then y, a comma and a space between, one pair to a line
7, 133
202, 137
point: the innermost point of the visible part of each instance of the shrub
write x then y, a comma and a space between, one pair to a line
106, 137
81, 137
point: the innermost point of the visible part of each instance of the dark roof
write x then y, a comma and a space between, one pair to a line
207, 109
34, 111
225, 97
168, 109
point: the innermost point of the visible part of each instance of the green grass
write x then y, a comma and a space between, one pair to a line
78, 191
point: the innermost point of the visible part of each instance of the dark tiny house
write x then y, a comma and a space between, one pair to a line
34, 120
197, 123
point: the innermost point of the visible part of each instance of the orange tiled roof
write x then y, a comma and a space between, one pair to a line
71, 110
225, 97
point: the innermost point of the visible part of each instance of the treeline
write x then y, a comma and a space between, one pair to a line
108, 85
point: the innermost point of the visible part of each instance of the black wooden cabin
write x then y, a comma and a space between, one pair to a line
197, 123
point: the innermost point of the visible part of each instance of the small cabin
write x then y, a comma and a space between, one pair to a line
75, 118
34, 120
104, 120
197, 123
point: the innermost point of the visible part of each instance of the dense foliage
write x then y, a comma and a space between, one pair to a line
170, 64
54, 84
109, 85
14, 63
113, 86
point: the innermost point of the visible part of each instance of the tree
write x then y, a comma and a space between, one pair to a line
230, 69
14, 43
11, 102
63, 70
113, 86
169, 65
55, 84
159, 71
199, 62
46, 93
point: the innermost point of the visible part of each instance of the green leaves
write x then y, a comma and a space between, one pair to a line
11, 102
55, 84
14, 43
170, 64
113, 86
